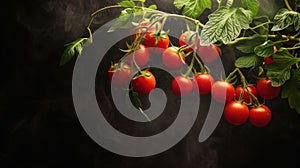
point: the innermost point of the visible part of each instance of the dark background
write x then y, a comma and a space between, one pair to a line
38, 123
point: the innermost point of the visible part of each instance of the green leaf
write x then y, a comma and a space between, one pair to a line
124, 21
225, 24
285, 18
127, 4
193, 8
297, 2
154, 7
248, 61
249, 45
72, 49
252, 5
229, 3
279, 70
290, 90
266, 49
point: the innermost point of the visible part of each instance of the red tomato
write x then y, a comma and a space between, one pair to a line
145, 83
182, 86
141, 56
119, 75
266, 90
246, 95
157, 43
202, 83
260, 116
172, 59
236, 113
268, 60
138, 31
188, 39
222, 91
209, 53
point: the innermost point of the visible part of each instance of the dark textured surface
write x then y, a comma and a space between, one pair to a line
38, 124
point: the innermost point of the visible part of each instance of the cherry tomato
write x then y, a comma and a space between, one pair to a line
246, 95
157, 42
222, 91
266, 90
138, 31
172, 59
260, 116
188, 39
209, 53
203, 83
141, 56
236, 113
268, 60
182, 85
144, 83
119, 74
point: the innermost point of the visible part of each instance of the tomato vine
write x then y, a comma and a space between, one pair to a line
233, 23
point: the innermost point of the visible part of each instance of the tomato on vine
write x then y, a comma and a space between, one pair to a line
236, 113
260, 116
223, 91
209, 53
157, 42
119, 74
203, 83
188, 38
141, 56
182, 85
266, 90
141, 28
144, 83
268, 60
246, 96
172, 58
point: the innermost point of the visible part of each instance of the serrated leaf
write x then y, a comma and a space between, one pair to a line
229, 3
252, 5
72, 49
193, 8
225, 24
154, 7
127, 4
266, 49
124, 20
249, 45
248, 61
290, 91
285, 18
279, 70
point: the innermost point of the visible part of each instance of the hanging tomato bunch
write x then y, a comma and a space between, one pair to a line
270, 58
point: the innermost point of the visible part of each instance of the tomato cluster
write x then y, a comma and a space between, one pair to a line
149, 38
237, 100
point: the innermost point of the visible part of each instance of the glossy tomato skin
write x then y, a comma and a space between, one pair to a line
172, 59
268, 60
246, 96
138, 31
223, 91
141, 56
203, 83
188, 38
162, 42
236, 113
260, 116
144, 84
119, 75
266, 90
209, 53
182, 86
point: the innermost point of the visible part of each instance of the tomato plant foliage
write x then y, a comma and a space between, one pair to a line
236, 23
